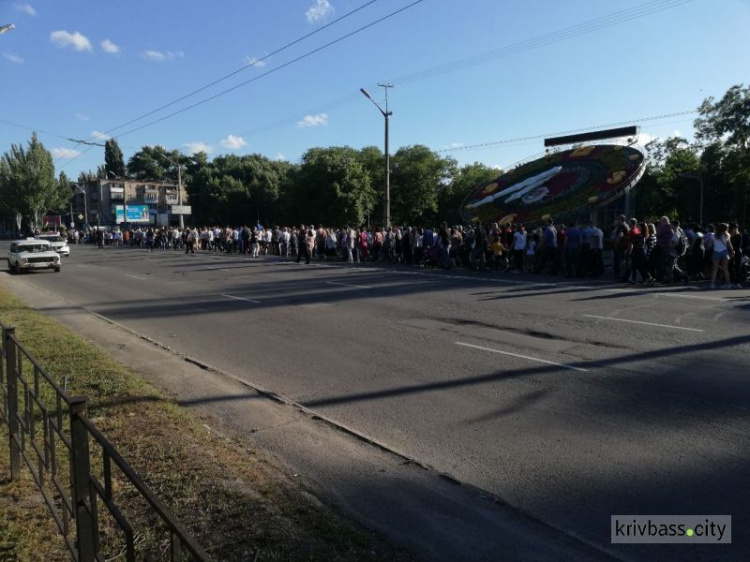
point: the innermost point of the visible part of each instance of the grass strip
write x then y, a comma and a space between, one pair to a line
233, 499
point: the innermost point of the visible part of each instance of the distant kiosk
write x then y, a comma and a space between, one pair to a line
566, 185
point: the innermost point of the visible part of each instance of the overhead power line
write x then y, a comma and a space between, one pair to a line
590, 26
564, 34
260, 76
243, 68
275, 69
33, 129
568, 132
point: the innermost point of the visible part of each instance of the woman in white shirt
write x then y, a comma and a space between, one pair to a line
722, 253
519, 246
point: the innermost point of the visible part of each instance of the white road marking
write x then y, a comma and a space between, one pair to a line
347, 285
644, 323
136, 277
535, 359
692, 297
240, 299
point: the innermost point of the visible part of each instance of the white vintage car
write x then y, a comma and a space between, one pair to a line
59, 244
31, 253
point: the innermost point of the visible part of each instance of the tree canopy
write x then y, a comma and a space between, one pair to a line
340, 184
114, 162
28, 188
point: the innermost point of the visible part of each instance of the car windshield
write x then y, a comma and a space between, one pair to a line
50, 238
33, 248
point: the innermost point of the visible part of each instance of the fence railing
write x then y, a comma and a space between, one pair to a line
50, 432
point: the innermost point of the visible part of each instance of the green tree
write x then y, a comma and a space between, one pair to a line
723, 129
114, 162
28, 188
665, 189
331, 188
418, 177
155, 163
64, 186
237, 189
452, 195
373, 161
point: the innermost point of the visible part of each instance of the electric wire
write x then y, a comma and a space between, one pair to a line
586, 27
275, 69
568, 132
583, 28
554, 37
260, 76
12, 124
243, 68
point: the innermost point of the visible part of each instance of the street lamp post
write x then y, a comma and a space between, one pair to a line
386, 114
124, 206
85, 202
700, 181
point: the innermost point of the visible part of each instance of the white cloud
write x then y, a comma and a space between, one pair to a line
65, 153
313, 120
15, 59
232, 142
280, 156
162, 56
497, 167
677, 133
100, 135
253, 61
319, 11
27, 9
109, 47
83, 117
75, 40
196, 147
645, 138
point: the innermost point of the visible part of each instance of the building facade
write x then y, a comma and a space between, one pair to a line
102, 202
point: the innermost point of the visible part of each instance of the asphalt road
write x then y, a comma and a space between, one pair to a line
572, 401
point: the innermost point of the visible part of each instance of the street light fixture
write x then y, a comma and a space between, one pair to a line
700, 180
386, 114
123, 228
85, 202
4, 28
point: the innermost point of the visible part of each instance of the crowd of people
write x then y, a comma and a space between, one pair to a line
636, 251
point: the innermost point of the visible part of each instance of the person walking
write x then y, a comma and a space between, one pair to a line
723, 252
303, 241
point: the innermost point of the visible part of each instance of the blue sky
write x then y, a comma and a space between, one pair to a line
78, 69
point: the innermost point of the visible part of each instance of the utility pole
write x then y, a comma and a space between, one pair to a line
386, 114
387, 160
179, 194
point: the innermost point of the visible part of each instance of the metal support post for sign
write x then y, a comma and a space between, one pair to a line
81, 473
12, 376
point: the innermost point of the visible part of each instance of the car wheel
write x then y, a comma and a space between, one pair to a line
57, 269
11, 269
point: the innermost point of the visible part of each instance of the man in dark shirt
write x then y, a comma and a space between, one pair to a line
303, 249
548, 249
573, 251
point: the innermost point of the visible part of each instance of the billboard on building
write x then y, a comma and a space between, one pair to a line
136, 214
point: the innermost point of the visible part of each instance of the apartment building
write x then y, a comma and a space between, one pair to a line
98, 201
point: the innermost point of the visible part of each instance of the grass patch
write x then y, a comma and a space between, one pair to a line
233, 500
